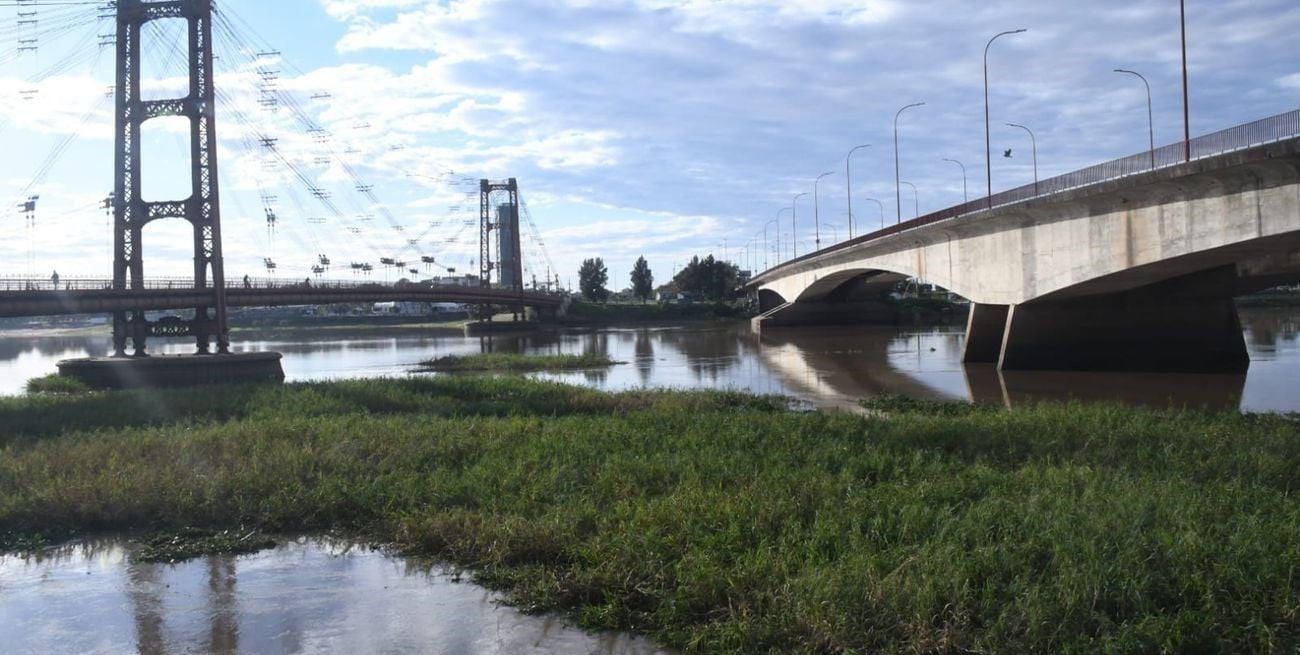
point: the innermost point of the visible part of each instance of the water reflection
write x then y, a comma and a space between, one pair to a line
312, 596
827, 366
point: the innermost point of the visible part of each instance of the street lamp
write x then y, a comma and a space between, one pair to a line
882, 210
817, 230
988, 145
964, 196
916, 198
765, 239
778, 231
848, 183
898, 193
835, 232
1151, 125
794, 222
1187, 124
1034, 143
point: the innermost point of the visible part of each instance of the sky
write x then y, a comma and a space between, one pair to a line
656, 128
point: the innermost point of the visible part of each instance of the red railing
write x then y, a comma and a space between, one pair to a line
1257, 133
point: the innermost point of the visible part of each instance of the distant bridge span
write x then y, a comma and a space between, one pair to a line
29, 297
1120, 266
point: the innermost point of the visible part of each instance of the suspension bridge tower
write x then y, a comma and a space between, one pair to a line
202, 208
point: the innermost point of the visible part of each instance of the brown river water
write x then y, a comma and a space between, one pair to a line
825, 367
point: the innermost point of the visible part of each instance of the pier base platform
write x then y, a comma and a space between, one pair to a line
173, 370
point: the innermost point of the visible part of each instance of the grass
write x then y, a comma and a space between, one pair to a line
56, 384
517, 363
178, 545
721, 522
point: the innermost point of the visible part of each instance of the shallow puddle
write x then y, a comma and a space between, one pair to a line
306, 597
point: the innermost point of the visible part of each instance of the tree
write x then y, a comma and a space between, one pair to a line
643, 281
708, 278
592, 278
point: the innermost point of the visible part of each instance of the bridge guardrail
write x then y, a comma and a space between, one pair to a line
80, 283
1256, 133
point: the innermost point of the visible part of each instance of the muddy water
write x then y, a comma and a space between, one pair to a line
828, 367
307, 597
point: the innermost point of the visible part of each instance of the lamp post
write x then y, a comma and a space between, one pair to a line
897, 192
1151, 125
916, 199
764, 233
817, 229
965, 197
988, 146
765, 240
882, 210
848, 183
1187, 125
794, 222
1034, 143
778, 231
835, 232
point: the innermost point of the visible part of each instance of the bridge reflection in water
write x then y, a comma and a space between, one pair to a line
838, 366
825, 367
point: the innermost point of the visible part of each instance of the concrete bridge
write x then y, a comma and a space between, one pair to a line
1123, 266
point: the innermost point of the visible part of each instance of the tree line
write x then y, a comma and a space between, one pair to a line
704, 279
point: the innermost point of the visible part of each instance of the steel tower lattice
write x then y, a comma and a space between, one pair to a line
202, 209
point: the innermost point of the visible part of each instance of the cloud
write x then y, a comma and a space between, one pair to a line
661, 127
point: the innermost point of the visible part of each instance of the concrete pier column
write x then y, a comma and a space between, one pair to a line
1126, 332
984, 330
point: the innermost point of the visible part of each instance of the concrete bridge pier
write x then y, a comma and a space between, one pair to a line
985, 327
1128, 333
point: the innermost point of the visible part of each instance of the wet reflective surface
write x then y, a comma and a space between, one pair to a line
307, 597
828, 367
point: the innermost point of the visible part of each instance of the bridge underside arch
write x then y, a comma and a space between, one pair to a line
769, 300
851, 285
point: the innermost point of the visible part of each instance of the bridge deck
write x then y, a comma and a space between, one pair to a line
25, 297
1163, 161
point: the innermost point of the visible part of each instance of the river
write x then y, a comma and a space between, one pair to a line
306, 596
825, 367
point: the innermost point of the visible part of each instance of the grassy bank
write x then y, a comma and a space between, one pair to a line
507, 362
719, 521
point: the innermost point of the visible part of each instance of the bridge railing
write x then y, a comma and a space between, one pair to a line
1256, 133
82, 283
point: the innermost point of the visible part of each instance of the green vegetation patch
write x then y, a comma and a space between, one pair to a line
179, 545
517, 363
721, 522
56, 384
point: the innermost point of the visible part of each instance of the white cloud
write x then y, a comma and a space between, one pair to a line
659, 127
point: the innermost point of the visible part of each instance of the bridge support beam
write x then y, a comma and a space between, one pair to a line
1126, 332
985, 327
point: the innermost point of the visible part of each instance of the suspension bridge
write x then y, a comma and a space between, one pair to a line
305, 191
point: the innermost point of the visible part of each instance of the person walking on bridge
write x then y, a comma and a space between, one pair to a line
54, 280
